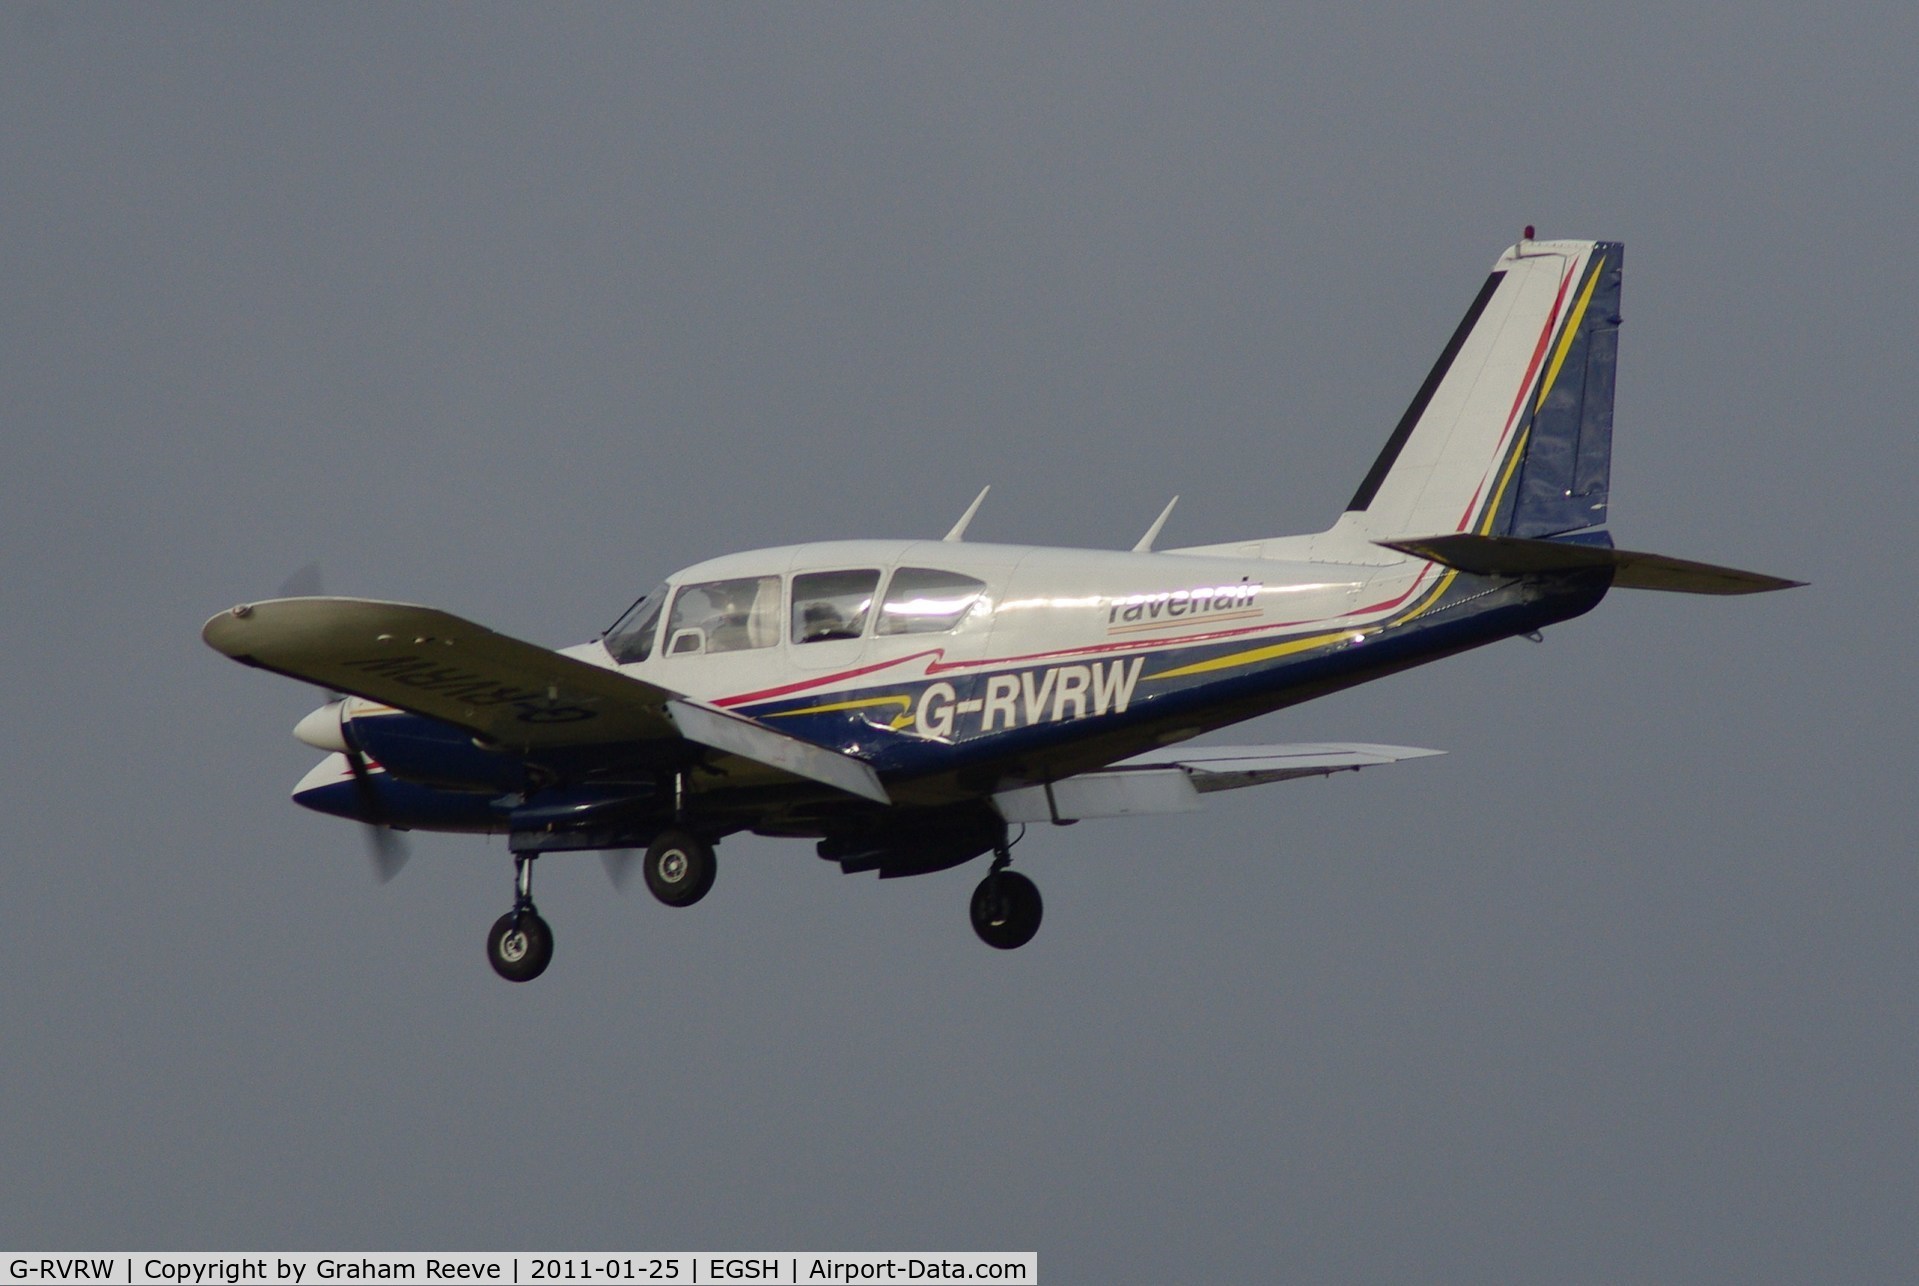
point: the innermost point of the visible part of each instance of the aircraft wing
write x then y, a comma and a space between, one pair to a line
514, 694
1171, 781
436, 664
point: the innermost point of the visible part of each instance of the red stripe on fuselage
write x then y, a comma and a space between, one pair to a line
1390, 603
806, 685
937, 666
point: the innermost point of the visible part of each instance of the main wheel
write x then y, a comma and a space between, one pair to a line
1006, 910
519, 946
679, 867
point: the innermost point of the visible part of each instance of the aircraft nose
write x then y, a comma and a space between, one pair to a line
322, 729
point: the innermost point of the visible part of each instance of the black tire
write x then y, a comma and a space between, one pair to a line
1006, 910
679, 867
519, 946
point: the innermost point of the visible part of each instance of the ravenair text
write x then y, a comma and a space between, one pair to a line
1179, 604
1030, 697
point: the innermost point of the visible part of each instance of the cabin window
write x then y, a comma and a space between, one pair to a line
921, 600
724, 616
631, 638
832, 605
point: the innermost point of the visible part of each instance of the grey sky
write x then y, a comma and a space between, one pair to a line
514, 310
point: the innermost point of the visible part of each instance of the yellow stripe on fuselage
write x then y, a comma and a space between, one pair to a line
1256, 655
1431, 600
900, 720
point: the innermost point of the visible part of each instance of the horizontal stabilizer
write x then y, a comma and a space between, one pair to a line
750, 739
1514, 556
1167, 781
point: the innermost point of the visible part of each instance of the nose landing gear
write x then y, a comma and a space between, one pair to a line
519, 946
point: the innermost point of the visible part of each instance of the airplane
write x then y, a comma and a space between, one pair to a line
912, 705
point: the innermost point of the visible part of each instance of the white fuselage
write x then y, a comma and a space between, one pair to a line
1082, 615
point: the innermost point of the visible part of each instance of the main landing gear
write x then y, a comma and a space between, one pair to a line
1006, 906
679, 870
519, 946
679, 867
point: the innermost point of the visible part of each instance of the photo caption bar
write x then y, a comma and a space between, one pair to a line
547, 1268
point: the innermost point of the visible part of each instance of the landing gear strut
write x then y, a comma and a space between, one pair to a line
1006, 906
519, 946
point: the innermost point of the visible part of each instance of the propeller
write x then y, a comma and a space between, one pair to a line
619, 864
385, 849
304, 583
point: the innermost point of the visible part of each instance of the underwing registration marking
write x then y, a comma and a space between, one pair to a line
476, 690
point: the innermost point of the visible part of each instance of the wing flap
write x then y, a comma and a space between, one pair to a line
1166, 781
433, 663
750, 739
1215, 768
1100, 794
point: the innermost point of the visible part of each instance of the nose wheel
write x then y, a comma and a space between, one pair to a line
519, 946
1006, 907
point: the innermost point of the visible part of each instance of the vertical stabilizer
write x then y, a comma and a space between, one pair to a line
1511, 434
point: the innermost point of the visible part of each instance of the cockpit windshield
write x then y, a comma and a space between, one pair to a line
631, 638
724, 616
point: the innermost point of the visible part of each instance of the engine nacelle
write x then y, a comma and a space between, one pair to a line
915, 843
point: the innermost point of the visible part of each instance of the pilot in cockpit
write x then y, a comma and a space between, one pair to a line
822, 620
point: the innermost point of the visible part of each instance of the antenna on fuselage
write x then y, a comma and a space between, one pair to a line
959, 528
1145, 545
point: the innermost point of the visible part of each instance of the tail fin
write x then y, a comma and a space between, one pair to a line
1511, 434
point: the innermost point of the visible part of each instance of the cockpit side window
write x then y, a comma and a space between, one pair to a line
724, 616
631, 638
832, 605
924, 600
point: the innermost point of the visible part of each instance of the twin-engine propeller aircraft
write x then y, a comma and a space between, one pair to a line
907, 703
